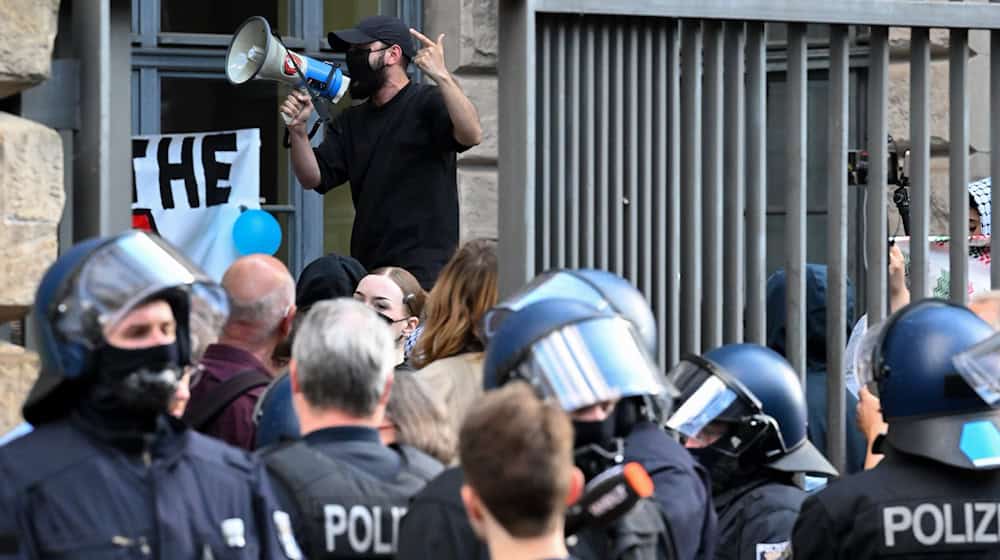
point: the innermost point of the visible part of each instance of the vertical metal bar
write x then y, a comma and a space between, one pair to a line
712, 222
588, 226
994, 134
573, 187
756, 320
545, 149
604, 153
618, 135
920, 160
517, 97
795, 205
631, 201
735, 183
661, 186
691, 189
558, 153
958, 165
673, 220
836, 235
876, 249
645, 219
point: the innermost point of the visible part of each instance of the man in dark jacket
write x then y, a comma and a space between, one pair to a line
345, 489
743, 415
816, 372
107, 472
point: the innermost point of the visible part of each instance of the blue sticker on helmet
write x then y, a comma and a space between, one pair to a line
980, 441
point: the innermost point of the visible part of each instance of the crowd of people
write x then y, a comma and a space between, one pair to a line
258, 417
393, 405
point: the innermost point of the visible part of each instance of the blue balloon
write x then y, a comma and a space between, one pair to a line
256, 231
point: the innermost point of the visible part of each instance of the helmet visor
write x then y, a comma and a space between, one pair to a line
124, 273
979, 366
713, 408
591, 362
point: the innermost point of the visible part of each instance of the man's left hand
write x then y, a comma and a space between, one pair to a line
430, 57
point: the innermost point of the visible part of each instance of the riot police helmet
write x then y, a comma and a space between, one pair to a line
573, 353
92, 288
598, 288
745, 401
934, 377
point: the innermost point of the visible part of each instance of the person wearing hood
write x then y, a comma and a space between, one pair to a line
816, 368
107, 471
396, 147
742, 414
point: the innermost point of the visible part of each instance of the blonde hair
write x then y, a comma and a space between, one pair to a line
420, 418
464, 292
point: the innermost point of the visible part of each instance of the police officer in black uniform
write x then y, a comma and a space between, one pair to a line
743, 414
587, 360
346, 490
682, 485
936, 492
107, 473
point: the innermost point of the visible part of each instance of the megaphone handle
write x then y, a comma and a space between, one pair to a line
321, 110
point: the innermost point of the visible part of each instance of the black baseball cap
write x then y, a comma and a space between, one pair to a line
388, 29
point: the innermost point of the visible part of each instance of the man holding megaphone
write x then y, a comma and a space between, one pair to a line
396, 148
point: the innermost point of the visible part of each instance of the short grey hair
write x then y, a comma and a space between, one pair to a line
344, 354
263, 314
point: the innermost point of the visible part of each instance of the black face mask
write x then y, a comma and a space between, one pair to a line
141, 380
595, 447
727, 472
365, 80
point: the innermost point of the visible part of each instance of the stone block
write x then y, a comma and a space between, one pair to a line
482, 91
31, 202
20, 368
479, 30
27, 32
899, 100
470, 28
477, 195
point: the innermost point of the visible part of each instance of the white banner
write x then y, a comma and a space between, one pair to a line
189, 188
938, 264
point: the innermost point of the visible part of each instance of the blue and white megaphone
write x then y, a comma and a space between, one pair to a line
255, 54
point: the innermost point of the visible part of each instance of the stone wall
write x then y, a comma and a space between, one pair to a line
31, 187
470, 28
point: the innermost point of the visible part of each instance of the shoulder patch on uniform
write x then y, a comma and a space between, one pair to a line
283, 523
773, 551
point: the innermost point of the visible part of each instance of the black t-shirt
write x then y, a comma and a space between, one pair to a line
400, 161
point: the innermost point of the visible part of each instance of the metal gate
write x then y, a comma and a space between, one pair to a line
630, 129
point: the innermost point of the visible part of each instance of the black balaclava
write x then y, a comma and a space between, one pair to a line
365, 80
595, 447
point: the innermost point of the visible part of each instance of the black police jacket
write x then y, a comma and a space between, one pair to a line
345, 505
683, 489
906, 507
756, 519
65, 492
436, 527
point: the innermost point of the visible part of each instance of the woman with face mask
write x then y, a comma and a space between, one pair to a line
398, 298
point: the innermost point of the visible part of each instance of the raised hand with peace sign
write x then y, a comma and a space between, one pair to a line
430, 57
